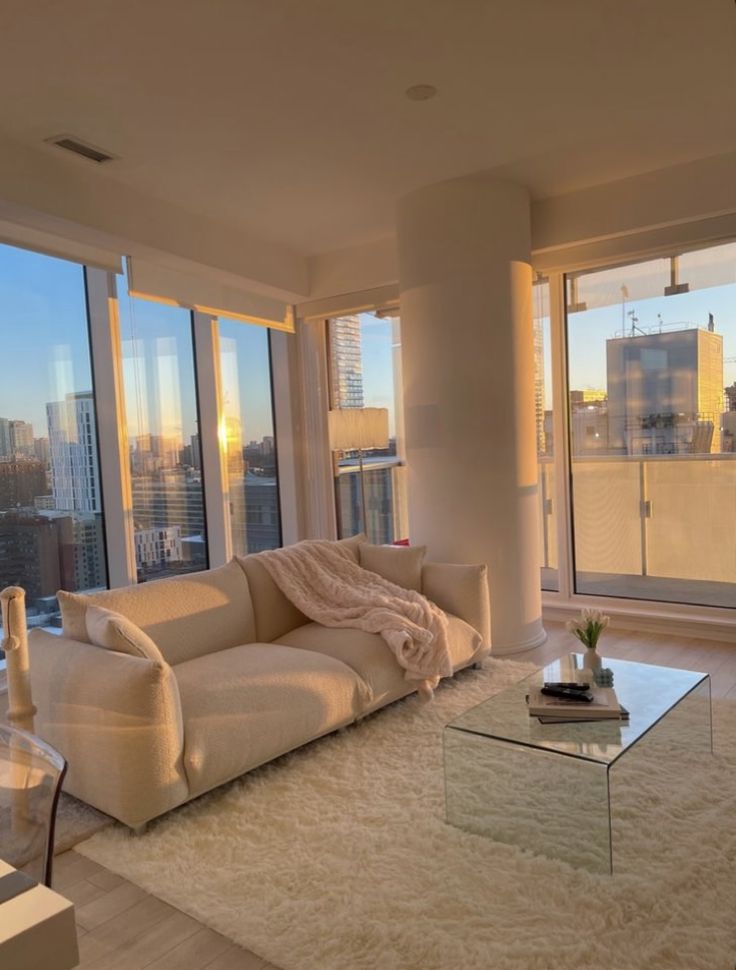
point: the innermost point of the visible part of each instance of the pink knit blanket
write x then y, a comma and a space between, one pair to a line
323, 580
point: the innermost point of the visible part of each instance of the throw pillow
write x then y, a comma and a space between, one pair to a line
401, 565
111, 630
73, 608
353, 544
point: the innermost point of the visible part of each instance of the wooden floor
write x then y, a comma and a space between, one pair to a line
123, 928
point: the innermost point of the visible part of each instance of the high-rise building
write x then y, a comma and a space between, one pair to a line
21, 438
665, 392
4, 438
75, 472
41, 449
346, 362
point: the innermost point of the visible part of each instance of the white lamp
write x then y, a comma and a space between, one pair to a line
358, 429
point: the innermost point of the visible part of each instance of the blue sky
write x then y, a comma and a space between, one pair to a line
378, 372
44, 352
589, 330
43, 321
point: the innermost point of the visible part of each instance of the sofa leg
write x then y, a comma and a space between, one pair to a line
140, 829
477, 665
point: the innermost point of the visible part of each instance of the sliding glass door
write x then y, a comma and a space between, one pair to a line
652, 416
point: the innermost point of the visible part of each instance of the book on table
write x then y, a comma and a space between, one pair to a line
604, 705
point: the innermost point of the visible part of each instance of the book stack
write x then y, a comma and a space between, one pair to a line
556, 710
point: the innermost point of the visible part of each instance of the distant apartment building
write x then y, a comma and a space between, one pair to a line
256, 515
29, 555
75, 472
346, 363
4, 438
196, 452
21, 438
588, 422
81, 548
44, 551
665, 392
21, 481
728, 431
156, 547
730, 393
384, 509
41, 449
171, 499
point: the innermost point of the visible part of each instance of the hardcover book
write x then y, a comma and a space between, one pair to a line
604, 705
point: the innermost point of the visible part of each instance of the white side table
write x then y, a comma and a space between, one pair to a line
37, 929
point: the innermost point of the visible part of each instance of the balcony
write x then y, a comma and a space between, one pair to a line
659, 527
385, 497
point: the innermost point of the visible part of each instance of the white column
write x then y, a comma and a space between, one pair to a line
468, 367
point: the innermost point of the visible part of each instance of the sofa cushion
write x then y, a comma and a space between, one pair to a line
275, 614
462, 590
352, 544
370, 657
398, 564
186, 616
249, 704
116, 632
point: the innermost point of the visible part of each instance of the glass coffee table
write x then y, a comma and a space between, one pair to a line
547, 787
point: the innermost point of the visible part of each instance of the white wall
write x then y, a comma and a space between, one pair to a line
45, 190
692, 203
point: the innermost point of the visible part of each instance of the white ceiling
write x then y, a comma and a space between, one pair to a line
287, 118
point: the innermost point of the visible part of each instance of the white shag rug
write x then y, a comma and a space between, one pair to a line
338, 857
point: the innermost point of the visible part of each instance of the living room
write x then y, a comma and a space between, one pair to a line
458, 278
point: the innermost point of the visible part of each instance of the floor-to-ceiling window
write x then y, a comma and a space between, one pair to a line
365, 372
51, 526
652, 412
169, 525
545, 433
247, 433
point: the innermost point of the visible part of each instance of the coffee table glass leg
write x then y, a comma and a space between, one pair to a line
543, 801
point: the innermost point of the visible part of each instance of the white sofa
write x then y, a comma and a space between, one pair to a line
233, 675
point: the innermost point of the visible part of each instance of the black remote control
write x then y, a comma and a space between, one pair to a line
565, 694
571, 685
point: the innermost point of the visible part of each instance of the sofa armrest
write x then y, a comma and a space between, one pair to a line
462, 590
117, 720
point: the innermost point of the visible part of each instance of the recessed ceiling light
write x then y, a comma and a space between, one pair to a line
421, 92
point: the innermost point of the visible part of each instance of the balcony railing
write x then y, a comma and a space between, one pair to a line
385, 494
654, 527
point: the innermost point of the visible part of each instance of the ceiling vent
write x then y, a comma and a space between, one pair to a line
71, 144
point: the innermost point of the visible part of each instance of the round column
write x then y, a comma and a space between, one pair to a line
468, 374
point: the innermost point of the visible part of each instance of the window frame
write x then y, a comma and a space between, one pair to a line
714, 622
397, 461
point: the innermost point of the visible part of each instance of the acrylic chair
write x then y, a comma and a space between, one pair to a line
31, 775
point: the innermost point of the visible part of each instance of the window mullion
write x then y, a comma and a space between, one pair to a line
320, 520
104, 325
216, 489
561, 438
282, 348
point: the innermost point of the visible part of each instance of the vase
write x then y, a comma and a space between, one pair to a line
592, 659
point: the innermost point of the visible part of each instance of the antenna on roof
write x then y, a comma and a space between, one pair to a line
711, 323
634, 321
